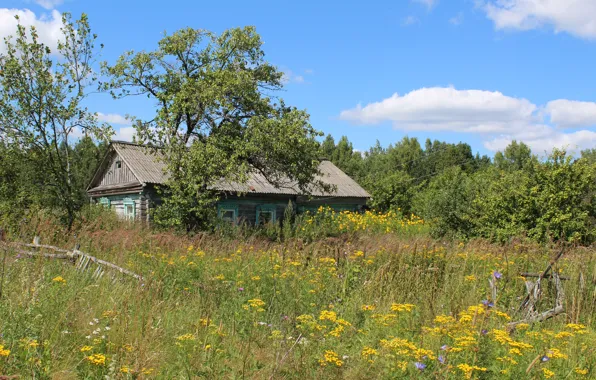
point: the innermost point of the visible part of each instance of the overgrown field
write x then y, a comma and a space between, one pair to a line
367, 305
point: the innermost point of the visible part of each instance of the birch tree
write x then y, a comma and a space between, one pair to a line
41, 104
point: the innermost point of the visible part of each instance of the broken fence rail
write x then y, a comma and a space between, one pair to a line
81, 259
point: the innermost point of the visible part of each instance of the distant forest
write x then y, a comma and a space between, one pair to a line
461, 194
458, 193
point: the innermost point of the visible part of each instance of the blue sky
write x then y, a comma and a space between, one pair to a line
479, 71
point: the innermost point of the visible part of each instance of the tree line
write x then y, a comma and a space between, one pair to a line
464, 195
218, 114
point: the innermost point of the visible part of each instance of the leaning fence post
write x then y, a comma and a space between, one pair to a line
3, 261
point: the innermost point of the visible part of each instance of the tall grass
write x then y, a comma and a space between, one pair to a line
359, 305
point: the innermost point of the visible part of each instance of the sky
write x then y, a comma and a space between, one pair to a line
484, 72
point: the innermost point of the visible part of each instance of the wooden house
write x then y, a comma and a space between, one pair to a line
127, 178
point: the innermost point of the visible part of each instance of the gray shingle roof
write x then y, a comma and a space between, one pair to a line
149, 169
144, 165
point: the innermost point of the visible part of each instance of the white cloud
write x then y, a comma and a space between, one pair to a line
457, 19
48, 26
410, 20
125, 134
575, 142
571, 113
577, 17
445, 108
112, 118
49, 4
429, 3
497, 118
290, 77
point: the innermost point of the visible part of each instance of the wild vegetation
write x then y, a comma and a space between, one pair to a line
322, 295
367, 304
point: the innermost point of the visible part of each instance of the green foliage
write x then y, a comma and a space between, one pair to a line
446, 203
41, 113
515, 157
216, 119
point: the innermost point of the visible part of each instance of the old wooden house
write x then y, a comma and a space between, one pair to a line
127, 178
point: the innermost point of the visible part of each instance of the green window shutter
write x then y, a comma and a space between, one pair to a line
228, 212
266, 214
129, 208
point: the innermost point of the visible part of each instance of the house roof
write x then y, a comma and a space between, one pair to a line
148, 169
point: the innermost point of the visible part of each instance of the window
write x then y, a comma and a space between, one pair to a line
105, 202
265, 215
129, 208
228, 212
118, 164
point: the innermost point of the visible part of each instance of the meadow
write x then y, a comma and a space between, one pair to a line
376, 298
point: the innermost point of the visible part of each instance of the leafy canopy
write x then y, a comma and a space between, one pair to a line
216, 116
42, 114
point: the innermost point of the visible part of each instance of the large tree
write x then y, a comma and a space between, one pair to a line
41, 107
217, 116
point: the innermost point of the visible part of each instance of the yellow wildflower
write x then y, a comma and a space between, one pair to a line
547, 373
86, 348
59, 280
331, 357
581, 371
97, 359
4, 351
402, 307
327, 315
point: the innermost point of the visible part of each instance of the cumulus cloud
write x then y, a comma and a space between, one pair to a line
577, 17
571, 113
48, 26
496, 117
125, 134
457, 19
410, 20
429, 3
49, 4
113, 118
290, 77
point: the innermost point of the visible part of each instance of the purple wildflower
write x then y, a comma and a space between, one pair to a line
545, 358
497, 274
441, 359
444, 347
484, 331
420, 366
240, 289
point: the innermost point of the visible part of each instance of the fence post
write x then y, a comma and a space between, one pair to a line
4, 250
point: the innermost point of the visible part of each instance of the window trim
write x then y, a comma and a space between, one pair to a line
105, 202
129, 202
224, 207
269, 208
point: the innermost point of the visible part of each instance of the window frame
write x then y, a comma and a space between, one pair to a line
225, 207
268, 208
105, 202
129, 202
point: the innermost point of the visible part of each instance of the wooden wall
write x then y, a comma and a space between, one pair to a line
117, 205
113, 175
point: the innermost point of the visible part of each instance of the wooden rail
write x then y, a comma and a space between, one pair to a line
79, 258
